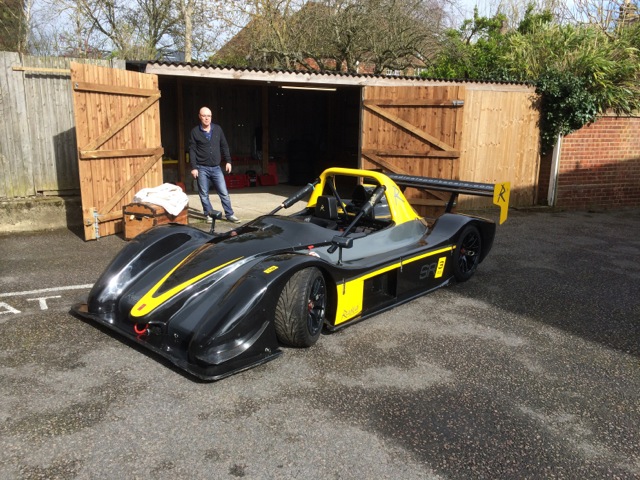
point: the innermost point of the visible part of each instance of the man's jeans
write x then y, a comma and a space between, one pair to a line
208, 176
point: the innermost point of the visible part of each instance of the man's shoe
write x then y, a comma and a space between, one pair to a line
233, 219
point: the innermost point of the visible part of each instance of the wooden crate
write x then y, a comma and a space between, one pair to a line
140, 217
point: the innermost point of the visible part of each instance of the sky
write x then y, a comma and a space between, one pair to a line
467, 7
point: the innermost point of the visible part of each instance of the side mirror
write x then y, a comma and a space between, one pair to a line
340, 241
215, 215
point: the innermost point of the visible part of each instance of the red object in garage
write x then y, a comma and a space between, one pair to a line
236, 180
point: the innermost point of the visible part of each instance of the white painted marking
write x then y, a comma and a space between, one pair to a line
9, 308
43, 301
46, 290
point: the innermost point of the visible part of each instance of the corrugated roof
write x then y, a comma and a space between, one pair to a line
302, 77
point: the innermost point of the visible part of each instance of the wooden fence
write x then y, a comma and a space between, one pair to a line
500, 141
37, 131
475, 132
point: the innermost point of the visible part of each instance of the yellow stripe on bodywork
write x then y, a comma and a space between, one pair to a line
149, 302
350, 294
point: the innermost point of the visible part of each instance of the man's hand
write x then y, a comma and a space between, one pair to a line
194, 173
227, 167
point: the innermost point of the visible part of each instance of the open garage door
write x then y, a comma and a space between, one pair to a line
117, 120
414, 131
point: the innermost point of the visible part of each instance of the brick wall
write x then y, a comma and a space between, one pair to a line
600, 165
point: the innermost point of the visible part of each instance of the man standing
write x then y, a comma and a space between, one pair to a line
207, 146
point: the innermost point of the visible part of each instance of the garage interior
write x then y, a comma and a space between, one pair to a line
303, 129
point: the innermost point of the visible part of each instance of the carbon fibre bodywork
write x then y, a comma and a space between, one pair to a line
207, 302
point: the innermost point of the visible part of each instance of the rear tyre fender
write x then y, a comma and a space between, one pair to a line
301, 308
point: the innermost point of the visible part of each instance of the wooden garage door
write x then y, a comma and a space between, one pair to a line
414, 131
117, 119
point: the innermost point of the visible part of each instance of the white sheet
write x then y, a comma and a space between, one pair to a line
168, 196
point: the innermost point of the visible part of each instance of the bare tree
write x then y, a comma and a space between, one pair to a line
273, 34
405, 34
59, 27
338, 34
327, 34
134, 30
607, 15
137, 30
199, 29
186, 10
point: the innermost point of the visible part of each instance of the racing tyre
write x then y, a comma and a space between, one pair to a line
301, 308
467, 255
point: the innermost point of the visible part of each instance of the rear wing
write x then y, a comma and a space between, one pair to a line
499, 191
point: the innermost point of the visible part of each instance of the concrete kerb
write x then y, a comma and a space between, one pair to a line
33, 214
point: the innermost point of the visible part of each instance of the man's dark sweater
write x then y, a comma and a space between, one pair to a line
203, 152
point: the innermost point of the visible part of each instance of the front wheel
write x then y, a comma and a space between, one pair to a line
467, 254
301, 308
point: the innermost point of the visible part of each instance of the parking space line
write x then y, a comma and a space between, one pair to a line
46, 290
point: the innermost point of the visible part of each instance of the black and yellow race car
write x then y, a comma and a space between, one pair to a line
218, 304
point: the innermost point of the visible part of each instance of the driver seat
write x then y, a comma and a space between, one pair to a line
326, 212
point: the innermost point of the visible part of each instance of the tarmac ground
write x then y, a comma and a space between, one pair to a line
531, 369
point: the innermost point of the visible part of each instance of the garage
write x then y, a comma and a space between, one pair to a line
131, 129
294, 131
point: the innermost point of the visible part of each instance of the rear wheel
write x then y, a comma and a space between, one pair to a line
467, 254
301, 308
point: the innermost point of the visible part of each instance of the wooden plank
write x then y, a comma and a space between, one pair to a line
113, 89
408, 153
84, 168
429, 202
184, 170
56, 71
104, 183
390, 167
458, 131
109, 217
410, 128
413, 102
134, 152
